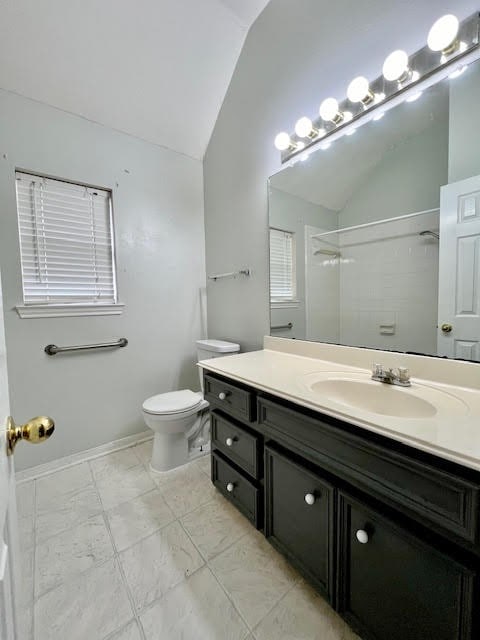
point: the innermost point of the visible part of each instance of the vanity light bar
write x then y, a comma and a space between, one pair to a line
452, 45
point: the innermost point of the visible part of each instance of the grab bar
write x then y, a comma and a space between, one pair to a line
277, 327
230, 274
52, 349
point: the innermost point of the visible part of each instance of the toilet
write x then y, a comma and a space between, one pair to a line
179, 419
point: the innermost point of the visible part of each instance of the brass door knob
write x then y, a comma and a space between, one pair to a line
35, 430
446, 327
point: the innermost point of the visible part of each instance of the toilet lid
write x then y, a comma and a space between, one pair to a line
172, 402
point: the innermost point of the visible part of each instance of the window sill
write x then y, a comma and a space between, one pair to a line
285, 304
69, 310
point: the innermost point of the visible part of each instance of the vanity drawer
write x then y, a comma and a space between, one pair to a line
423, 491
299, 518
234, 486
393, 586
230, 398
237, 444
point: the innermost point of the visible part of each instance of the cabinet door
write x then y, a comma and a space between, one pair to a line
392, 586
300, 519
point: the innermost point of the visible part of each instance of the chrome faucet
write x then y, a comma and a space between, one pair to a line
400, 376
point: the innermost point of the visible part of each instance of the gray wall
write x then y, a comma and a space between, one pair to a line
158, 208
408, 179
464, 143
296, 54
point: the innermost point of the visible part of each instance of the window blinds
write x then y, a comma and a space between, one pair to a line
66, 242
282, 266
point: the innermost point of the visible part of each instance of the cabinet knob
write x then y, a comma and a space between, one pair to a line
230, 487
362, 536
222, 395
229, 442
310, 498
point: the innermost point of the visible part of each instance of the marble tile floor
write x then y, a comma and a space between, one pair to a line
110, 551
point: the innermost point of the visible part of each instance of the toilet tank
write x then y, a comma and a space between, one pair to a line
207, 349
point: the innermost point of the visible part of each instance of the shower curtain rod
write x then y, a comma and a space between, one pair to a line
375, 223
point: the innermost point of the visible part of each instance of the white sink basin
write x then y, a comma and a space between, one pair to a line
359, 392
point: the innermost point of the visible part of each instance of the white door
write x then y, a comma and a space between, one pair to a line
459, 270
8, 509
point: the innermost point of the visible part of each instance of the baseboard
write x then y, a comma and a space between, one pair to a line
62, 463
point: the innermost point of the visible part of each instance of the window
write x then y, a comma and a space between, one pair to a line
66, 246
283, 286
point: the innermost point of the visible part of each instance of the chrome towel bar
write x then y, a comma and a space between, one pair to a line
52, 349
278, 327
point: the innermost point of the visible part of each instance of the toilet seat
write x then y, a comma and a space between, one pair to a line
173, 403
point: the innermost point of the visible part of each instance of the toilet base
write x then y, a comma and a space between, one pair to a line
170, 450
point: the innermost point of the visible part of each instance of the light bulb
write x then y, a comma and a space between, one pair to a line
395, 66
329, 111
347, 116
443, 34
305, 129
300, 145
283, 141
359, 90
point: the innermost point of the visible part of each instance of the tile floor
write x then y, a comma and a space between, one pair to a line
113, 552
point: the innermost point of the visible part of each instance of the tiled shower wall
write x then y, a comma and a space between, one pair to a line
389, 286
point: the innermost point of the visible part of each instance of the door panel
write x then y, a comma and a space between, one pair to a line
299, 518
8, 514
459, 270
393, 586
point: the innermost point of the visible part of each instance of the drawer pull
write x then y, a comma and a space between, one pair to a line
310, 498
362, 536
229, 441
223, 395
230, 487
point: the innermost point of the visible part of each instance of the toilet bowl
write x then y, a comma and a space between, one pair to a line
177, 418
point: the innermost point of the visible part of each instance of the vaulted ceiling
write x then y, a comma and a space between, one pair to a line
155, 69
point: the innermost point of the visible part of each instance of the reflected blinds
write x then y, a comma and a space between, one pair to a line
282, 265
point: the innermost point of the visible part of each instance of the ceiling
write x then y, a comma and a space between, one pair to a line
155, 69
331, 177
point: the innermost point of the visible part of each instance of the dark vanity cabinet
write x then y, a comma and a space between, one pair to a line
389, 535
299, 518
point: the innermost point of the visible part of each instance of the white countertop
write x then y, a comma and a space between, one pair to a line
450, 435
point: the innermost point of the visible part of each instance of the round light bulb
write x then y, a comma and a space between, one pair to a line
358, 89
443, 33
395, 65
304, 127
329, 109
282, 141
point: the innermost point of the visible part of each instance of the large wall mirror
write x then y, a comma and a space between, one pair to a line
375, 241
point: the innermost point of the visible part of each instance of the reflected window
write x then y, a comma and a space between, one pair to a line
283, 284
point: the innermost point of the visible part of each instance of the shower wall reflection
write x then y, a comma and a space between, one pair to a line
381, 282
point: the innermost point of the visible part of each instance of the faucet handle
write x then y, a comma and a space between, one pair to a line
377, 369
403, 374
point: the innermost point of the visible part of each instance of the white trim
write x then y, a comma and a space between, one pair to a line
68, 310
285, 304
68, 461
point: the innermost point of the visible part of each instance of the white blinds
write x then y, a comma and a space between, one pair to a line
66, 242
282, 265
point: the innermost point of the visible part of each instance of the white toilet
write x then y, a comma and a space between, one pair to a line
179, 419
